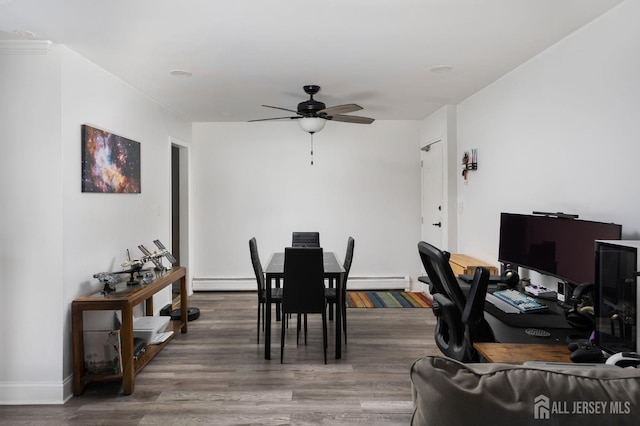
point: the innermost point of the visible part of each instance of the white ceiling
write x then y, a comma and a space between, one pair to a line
244, 53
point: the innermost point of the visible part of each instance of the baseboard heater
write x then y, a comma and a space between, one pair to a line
249, 284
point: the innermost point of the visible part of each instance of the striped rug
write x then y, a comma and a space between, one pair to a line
387, 299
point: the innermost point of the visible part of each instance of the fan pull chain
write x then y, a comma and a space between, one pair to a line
312, 149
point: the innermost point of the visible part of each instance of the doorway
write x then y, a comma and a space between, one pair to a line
180, 195
432, 161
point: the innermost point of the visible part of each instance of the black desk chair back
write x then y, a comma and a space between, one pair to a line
460, 319
303, 289
276, 293
305, 239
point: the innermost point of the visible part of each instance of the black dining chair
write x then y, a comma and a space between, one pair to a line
276, 293
305, 239
303, 290
331, 294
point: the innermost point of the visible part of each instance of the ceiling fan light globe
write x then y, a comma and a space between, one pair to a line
312, 124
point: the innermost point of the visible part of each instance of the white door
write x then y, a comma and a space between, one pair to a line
432, 208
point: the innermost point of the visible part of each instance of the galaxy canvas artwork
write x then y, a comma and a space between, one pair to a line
110, 163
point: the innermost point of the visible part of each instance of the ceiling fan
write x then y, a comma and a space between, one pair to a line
313, 114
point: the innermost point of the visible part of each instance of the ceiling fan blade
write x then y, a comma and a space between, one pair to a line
351, 119
340, 109
283, 109
275, 118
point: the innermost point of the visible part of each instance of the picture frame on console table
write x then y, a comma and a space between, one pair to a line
103, 352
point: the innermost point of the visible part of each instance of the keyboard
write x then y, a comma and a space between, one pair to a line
520, 301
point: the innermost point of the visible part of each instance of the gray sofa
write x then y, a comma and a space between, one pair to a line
447, 392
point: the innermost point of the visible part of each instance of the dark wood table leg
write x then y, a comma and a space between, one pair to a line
267, 321
277, 310
78, 349
338, 321
126, 337
331, 305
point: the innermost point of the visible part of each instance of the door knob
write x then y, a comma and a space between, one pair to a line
439, 224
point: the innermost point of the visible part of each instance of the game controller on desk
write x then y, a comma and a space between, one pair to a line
585, 351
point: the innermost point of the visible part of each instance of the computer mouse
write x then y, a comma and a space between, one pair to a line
624, 359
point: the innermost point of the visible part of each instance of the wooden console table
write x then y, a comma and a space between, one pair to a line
124, 299
518, 353
463, 264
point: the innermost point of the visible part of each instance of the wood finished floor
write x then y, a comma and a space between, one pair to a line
216, 374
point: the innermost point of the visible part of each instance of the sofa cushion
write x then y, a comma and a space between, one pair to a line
447, 392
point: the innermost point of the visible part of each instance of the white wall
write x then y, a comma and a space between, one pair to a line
54, 236
560, 133
31, 318
255, 179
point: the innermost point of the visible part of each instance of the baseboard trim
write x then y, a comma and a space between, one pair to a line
224, 284
40, 393
249, 284
379, 283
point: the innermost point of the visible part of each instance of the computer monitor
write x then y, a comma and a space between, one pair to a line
617, 296
555, 246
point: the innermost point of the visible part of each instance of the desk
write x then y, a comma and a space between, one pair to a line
124, 299
274, 271
511, 328
516, 353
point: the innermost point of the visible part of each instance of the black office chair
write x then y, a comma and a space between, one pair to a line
460, 319
305, 239
276, 293
330, 293
303, 290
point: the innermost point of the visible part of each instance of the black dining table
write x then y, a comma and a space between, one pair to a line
274, 274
